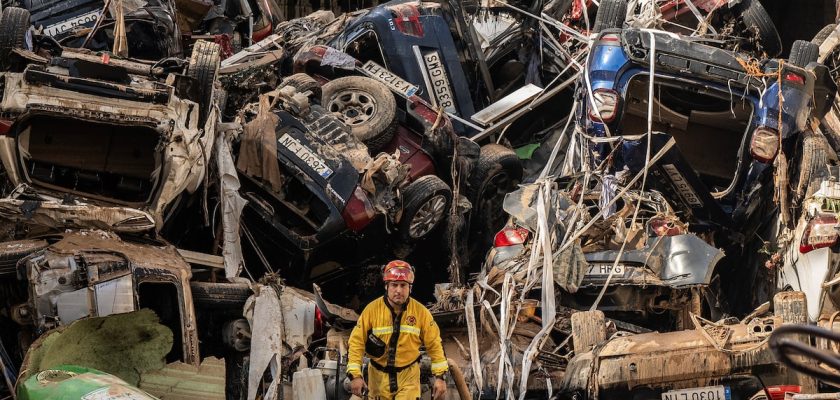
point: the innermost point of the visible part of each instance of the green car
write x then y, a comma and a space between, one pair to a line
70, 382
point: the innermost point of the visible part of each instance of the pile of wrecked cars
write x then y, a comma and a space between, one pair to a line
605, 202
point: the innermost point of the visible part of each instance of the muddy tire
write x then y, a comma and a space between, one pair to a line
589, 329
803, 53
611, 15
365, 105
815, 153
220, 294
14, 22
303, 83
14, 251
822, 35
204, 68
426, 204
755, 17
497, 172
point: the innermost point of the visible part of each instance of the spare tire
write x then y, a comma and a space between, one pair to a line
822, 35
204, 68
803, 53
755, 16
14, 22
425, 204
611, 15
365, 105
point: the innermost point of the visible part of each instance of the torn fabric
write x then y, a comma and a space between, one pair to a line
231, 208
258, 151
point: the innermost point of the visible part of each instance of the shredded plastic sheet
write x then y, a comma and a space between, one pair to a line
258, 151
231, 208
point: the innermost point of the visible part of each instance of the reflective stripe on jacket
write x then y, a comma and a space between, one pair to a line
416, 327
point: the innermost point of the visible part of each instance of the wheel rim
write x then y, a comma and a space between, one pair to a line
353, 107
429, 214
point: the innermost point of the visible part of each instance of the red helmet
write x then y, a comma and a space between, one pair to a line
398, 270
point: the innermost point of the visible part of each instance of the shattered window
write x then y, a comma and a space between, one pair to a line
115, 296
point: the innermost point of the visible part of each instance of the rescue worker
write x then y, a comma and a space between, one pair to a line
390, 331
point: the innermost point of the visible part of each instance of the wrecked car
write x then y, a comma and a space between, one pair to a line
702, 95
711, 361
106, 132
325, 188
435, 48
151, 24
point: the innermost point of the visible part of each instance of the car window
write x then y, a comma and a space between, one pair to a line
365, 47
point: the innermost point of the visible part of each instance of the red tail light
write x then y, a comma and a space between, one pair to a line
778, 392
765, 144
5, 126
820, 232
606, 104
407, 20
610, 39
358, 212
664, 227
318, 331
795, 78
510, 237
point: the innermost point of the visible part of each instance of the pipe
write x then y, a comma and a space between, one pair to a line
460, 382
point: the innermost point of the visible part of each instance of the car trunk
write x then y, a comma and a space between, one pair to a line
709, 127
115, 163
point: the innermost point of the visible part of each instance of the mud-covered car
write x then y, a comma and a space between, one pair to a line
341, 187
152, 25
711, 361
124, 136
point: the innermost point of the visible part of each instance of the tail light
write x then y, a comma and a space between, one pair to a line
765, 144
609, 39
778, 392
407, 20
606, 104
795, 78
510, 237
359, 211
820, 232
318, 322
665, 227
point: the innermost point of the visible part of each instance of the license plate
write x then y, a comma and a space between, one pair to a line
66, 25
306, 155
605, 269
440, 83
701, 393
390, 79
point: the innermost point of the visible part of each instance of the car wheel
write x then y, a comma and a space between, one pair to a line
304, 83
203, 68
755, 17
611, 15
365, 105
803, 53
14, 251
815, 153
822, 35
497, 172
425, 204
14, 22
220, 294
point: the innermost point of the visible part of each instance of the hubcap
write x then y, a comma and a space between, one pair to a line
352, 106
429, 214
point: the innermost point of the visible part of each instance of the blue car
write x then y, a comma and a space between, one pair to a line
721, 123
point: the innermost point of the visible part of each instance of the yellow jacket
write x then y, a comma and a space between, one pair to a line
416, 327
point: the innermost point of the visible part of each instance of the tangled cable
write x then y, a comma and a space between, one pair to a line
786, 348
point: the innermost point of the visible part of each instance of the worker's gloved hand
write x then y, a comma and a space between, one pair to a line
358, 386
439, 390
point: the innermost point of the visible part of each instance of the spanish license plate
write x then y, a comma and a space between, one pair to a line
701, 393
306, 155
66, 25
604, 269
439, 81
394, 82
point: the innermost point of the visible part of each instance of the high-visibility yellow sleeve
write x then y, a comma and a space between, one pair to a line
434, 347
356, 344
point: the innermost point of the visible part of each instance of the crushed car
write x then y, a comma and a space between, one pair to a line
124, 137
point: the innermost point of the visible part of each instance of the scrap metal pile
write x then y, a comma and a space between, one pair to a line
603, 200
